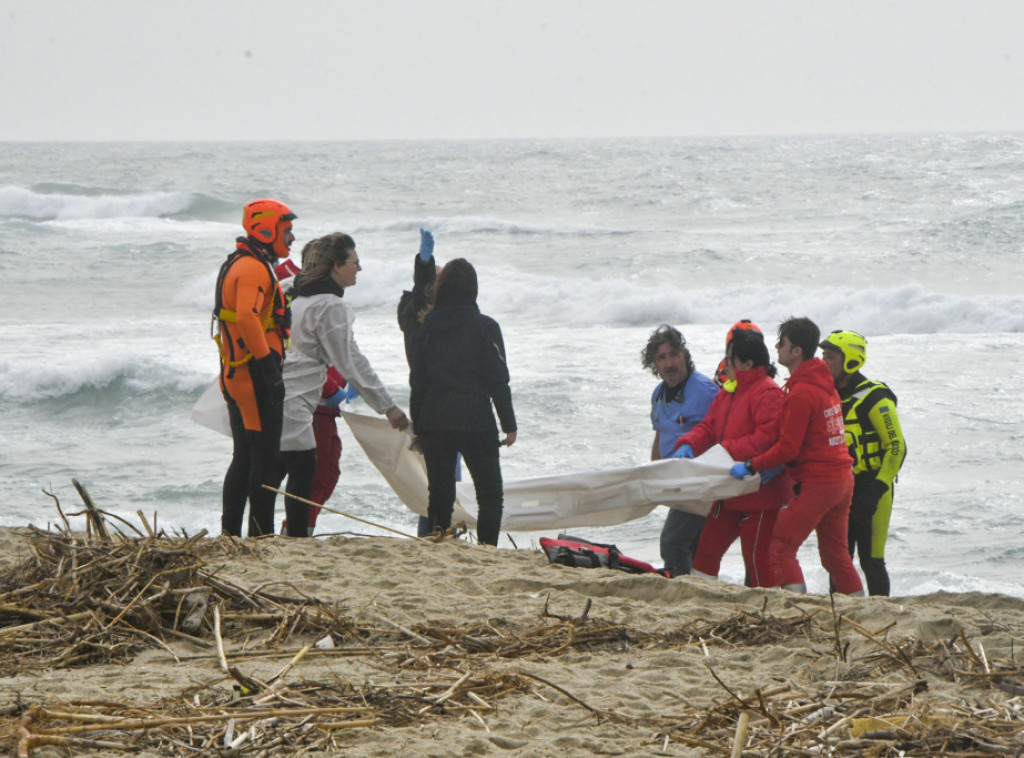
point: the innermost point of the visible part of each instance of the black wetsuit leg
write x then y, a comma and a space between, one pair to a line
236, 481
876, 576
254, 462
265, 462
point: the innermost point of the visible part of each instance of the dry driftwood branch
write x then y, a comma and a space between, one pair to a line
340, 513
94, 515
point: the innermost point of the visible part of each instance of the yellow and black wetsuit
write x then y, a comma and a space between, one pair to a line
876, 444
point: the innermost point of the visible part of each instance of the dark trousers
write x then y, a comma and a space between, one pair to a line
480, 452
300, 468
679, 537
254, 462
422, 522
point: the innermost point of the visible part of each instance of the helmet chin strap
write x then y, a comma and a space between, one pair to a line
265, 249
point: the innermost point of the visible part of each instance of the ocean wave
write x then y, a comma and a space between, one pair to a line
103, 380
64, 202
909, 309
487, 225
510, 293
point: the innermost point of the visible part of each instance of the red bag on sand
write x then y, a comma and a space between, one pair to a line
575, 551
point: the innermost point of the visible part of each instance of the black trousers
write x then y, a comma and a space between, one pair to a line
480, 453
300, 468
254, 462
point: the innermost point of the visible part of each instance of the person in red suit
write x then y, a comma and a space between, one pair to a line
812, 445
744, 419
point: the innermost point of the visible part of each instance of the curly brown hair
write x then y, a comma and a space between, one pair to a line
664, 334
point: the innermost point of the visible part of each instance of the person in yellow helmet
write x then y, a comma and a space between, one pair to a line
251, 320
876, 444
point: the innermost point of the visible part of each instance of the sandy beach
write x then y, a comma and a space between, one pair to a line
450, 648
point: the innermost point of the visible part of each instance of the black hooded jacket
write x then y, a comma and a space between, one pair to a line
412, 303
458, 368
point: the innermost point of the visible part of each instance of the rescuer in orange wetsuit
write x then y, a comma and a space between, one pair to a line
251, 320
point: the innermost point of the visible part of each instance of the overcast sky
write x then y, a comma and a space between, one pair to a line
367, 69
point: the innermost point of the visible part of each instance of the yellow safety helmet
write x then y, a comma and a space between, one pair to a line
853, 346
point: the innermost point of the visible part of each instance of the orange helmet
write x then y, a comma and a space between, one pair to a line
744, 325
266, 221
721, 377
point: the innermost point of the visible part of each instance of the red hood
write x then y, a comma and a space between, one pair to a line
750, 376
813, 371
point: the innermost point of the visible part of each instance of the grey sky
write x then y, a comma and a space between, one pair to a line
334, 69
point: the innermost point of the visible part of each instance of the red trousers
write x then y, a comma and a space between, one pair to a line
824, 508
754, 528
328, 453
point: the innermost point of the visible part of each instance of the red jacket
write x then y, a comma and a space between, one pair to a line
812, 441
745, 423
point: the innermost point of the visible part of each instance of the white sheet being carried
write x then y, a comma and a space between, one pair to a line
211, 411
560, 501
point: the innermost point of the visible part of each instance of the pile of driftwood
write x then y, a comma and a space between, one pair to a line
103, 595
95, 597
873, 709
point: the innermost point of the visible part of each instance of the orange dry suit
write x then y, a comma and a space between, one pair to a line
252, 319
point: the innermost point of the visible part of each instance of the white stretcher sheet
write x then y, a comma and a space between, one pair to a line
537, 503
559, 501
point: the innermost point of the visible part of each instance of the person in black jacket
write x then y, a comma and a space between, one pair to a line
411, 305
458, 370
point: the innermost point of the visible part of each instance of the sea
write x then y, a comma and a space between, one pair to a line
110, 251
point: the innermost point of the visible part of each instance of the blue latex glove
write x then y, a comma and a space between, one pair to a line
767, 476
739, 471
683, 451
343, 395
426, 245
334, 400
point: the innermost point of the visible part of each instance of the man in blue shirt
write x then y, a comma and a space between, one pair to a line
678, 403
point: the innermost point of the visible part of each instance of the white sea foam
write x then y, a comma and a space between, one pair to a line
23, 203
106, 372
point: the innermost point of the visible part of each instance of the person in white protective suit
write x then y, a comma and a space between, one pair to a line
322, 336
